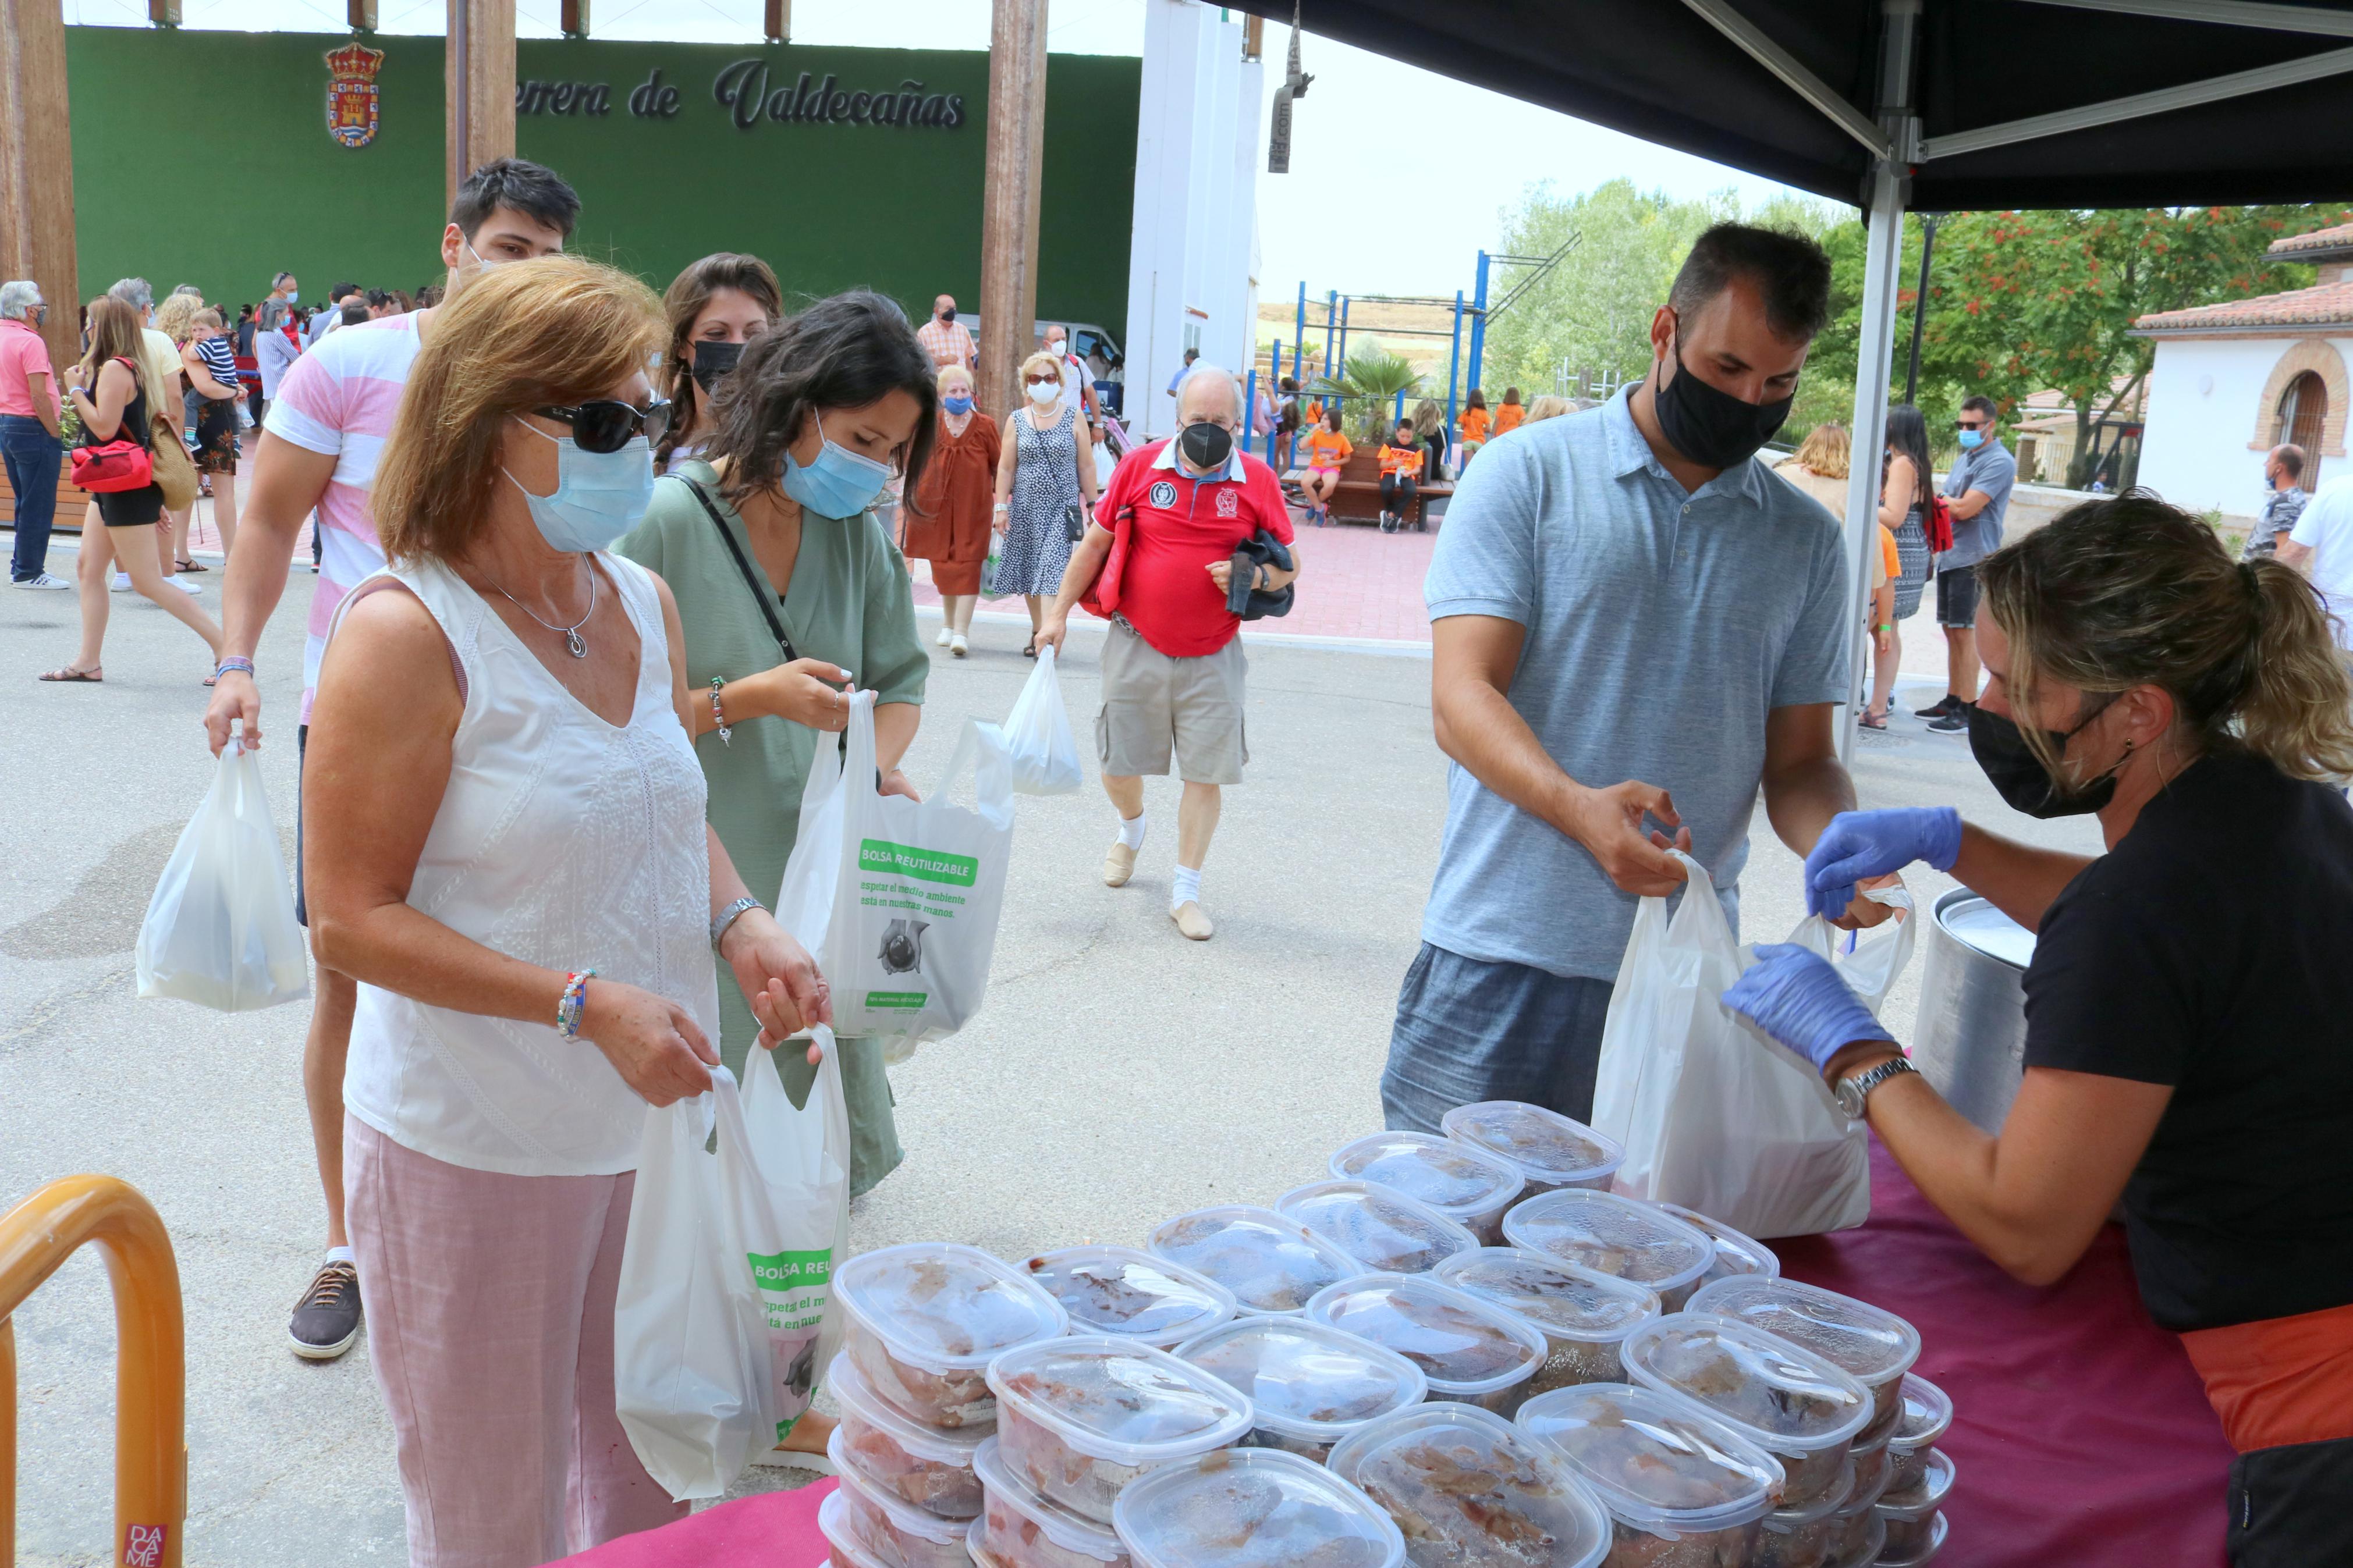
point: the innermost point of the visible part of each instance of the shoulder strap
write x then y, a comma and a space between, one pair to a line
761, 593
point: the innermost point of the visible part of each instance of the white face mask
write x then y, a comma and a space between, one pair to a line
1045, 392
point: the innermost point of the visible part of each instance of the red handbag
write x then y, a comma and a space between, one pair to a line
114, 466
1940, 525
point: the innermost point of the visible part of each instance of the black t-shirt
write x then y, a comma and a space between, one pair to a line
2212, 951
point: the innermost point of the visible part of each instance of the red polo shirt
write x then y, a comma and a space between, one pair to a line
1181, 525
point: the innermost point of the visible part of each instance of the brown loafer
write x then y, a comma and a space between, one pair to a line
1119, 865
1192, 921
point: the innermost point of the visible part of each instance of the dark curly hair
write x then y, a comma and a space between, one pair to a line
689, 292
844, 352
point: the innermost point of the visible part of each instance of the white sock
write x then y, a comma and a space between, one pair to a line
1131, 831
341, 1255
1185, 886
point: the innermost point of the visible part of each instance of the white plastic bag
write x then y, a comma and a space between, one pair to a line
1038, 733
692, 1375
1714, 1114
220, 929
898, 899
803, 1157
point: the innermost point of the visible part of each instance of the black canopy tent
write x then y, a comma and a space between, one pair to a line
1937, 105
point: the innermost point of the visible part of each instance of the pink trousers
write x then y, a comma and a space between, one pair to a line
489, 1301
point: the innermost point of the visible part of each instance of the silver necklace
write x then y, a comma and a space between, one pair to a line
574, 643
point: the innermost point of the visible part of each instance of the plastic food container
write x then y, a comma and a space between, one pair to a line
1874, 1346
1018, 1529
1253, 1508
1914, 1525
895, 1533
1873, 1473
920, 1464
1737, 1252
921, 1322
1548, 1149
844, 1550
1615, 1235
1861, 1537
1120, 1291
1378, 1227
1309, 1385
1080, 1418
1929, 1538
1468, 1185
1471, 1490
1784, 1399
1806, 1537
1928, 1415
1467, 1349
1270, 1263
1684, 1490
1583, 1316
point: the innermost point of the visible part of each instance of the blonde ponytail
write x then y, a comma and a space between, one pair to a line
2298, 705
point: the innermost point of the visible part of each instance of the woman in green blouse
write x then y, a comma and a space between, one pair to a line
791, 592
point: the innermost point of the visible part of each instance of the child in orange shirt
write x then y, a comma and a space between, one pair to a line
1473, 422
1328, 451
1401, 459
1508, 417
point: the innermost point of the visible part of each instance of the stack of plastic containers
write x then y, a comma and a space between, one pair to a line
1467, 1184
1548, 1150
1583, 1316
1468, 1350
1680, 1489
1615, 1235
1310, 1385
1787, 1401
1018, 1529
1468, 1488
1875, 1347
1254, 1509
1269, 1262
1078, 1419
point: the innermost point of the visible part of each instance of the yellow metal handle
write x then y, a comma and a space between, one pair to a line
150, 1474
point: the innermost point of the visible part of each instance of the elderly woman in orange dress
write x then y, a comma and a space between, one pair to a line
948, 524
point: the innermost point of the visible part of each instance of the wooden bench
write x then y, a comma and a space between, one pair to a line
1358, 499
70, 500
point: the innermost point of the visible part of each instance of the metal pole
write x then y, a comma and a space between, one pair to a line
1453, 368
1275, 374
1397, 416
1478, 324
1331, 316
1250, 400
1299, 331
1920, 307
1344, 334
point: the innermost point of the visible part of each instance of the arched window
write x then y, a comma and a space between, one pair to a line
2303, 409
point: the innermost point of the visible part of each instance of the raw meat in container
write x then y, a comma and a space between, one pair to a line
1380, 1227
896, 1534
1018, 1529
1783, 1398
1683, 1490
926, 1465
1271, 1263
1872, 1344
1549, 1149
1737, 1252
1253, 1508
1468, 1185
1080, 1418
1120, 1291
1468, 1348
1309, 1385
1616, 1236
921, 1322
1583, 1316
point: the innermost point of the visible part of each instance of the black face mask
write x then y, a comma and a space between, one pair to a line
2020, 776
948, 314
712, 360
1711, 427
1206, 445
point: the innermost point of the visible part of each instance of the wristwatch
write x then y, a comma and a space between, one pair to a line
727, 917
1853, 1092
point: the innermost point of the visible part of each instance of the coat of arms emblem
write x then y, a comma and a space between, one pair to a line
351, 93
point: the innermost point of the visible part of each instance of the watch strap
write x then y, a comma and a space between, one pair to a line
1859, 1085
728, 916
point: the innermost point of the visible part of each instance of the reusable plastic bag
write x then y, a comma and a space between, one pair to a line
899, 898
693, 1377
1037, 734
1714, 1114
220, 929
802, 1159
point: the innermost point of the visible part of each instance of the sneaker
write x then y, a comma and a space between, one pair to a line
122, 582
945, 633
1954, 723
43, 580
1938, 709
326, 1321
183, 585
958, 646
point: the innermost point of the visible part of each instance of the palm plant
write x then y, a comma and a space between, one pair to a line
1367, 387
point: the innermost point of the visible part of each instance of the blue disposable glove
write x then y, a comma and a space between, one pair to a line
1796, 996
1862, 844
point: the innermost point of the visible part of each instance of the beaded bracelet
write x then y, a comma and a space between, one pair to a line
718, 718
234, 662
571, 1003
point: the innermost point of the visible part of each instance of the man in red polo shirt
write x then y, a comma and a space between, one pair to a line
1162, 543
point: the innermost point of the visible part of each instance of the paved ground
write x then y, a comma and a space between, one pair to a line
1118, 1075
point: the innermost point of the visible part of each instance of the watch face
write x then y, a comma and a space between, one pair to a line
1850, 1097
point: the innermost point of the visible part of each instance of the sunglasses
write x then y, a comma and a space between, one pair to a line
1043, 381
608, 424
1965, 424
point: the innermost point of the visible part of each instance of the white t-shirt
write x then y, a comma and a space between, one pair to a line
2326, 526
1074, 376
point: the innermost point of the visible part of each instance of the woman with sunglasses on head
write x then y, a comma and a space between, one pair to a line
2190, 1002
506, 848
1045, 469
715, 307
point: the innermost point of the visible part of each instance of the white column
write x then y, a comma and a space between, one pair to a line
1240, 332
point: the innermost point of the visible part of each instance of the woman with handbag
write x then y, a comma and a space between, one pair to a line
119, 445
1045, 491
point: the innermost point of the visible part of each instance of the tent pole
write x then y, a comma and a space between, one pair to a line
1920, 307
1453, 367
1274, 389
1479, 322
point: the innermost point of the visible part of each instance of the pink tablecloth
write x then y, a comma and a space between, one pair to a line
774, 1530
2081, 1435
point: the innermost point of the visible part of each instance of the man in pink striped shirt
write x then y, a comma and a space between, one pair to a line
318, 454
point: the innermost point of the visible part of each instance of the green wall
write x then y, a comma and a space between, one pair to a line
204, 157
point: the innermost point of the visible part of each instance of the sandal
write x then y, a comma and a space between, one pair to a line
1869, 722
67, 674
190, 566
1029, 648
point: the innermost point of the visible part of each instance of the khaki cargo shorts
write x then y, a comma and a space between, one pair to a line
1155, 706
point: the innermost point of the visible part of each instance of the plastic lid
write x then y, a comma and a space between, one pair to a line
1737, 1252
1611, 1235
1378, 1227
1783, 1398
1863, 1546
1659, 1463
935, 1444
1120, 1291
1271, 1263
1979, 927
1936, 1534
1782, 1520
1873, 1471
1464, 1346
1304, 1379
938, 1304
1252, 1507
1542, 1145
1874, 1345
1923, 1496
1471, 1488
846, 1551
1566, 1301
1117, 1400
1927, 1415
906, 1517
1454, 1178
1066, 1530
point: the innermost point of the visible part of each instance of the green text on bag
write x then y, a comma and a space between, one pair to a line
877, 854
900, 1001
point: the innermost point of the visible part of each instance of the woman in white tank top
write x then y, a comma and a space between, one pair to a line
500, 797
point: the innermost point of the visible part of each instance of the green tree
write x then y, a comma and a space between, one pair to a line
1367, 387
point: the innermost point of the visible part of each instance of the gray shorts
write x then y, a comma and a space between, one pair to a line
1468, 1031
1155, 707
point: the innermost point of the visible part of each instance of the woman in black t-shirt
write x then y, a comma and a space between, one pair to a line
2190, 1005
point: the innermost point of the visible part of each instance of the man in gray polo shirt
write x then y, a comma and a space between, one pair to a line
1977, 490
1634, 627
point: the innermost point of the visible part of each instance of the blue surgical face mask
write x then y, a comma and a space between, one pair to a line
957, 402
1971, 440
293, 295
599, 496
840, 483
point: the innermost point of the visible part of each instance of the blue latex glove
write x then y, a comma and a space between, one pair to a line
1797, 997
1862, 844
